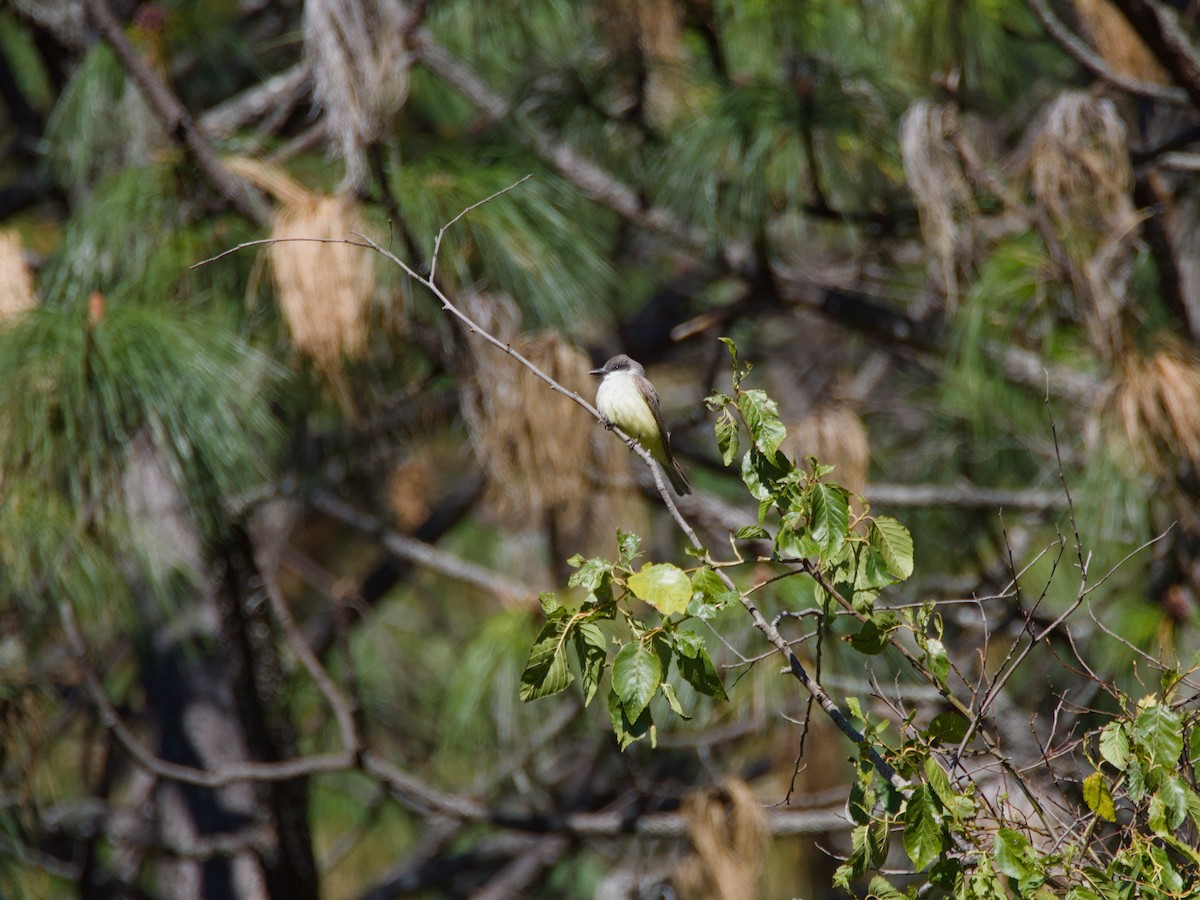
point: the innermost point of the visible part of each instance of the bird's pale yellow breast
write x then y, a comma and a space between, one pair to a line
621, 402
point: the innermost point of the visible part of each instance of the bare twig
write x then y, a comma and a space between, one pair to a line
437, 243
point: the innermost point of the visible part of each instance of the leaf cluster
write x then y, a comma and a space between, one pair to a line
654, 642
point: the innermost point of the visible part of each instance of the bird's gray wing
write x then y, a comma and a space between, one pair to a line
650, 395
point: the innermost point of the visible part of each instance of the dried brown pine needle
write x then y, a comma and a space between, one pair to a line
836, 436
728, 831
324, 289
543, 453
1118, 43
1156, 399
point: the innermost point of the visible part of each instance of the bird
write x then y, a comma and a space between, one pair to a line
627, 399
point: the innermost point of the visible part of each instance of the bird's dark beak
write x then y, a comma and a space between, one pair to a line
596, 372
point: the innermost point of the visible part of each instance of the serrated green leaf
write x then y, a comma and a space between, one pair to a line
1165, 876
922, 831
751, 533
861, 802
830, 517
698, 671
1098, 797
732, 348
636, 675
761, 415
793, 540
856, 711
688, 643
937, 660
717, 401
881, 889
549, 602
546, 671
1114, 745
668, 691
707, 583
709, 594
1014, 855
872, 637
592, 652
1158, 730
878, 834
629, 547
727, 437
1174, 795
627, 730
948, 727
939, 782
761, 473
592, 574
894, 543
664, 586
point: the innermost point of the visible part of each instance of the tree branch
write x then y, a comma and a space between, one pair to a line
176, 118
1077, 48
1160, 29
510, 591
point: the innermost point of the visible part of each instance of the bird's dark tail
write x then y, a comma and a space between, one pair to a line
678, 479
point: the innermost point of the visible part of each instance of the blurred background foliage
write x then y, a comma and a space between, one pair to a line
963, 264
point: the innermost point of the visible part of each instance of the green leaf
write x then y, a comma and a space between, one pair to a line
717, 401
593, 574
629, 547
592, 652
751, 533
948, 727
1114, 745
830, 517
628, 730
636, 675
880, 888
922, 831
1159, 731
1175, 799
877, 843
871, 572
894, 543
688, 644
549, 602
1098, 797
939, 782
546, 671
861, 802
727, 436
761, 415
698, 671
709, 594
872, 637
794, 540
760, 473
668, 691
937, 660
664, 586
1165, 876
732, 348
1014, 855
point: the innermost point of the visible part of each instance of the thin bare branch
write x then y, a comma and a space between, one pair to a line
437, 243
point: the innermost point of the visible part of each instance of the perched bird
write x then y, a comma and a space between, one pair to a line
627, 399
